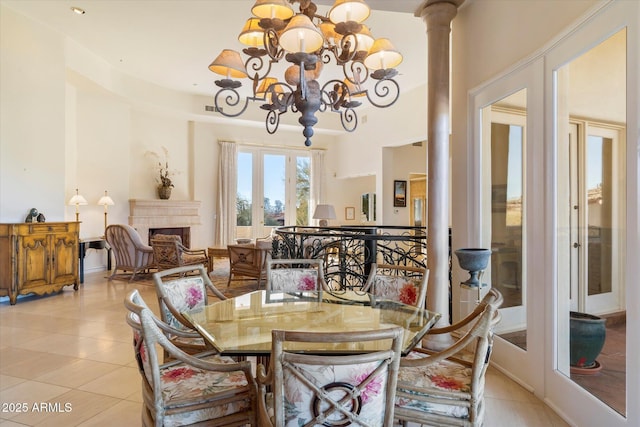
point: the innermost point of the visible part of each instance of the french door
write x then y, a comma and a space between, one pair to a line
273, 189
597, 198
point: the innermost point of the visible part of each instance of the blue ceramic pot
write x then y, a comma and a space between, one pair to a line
586, 339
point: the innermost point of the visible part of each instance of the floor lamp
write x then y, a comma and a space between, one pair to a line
77, 200
105, 201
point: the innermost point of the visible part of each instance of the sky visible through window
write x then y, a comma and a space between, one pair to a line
273, 176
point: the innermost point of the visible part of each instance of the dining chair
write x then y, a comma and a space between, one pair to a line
204, 388
447, 387
131, 255
295, 275
338, 389
405, 284
169, 252
179, 290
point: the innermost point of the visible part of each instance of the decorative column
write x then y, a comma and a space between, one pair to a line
437, 15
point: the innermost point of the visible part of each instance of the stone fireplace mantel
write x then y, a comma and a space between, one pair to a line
146, 214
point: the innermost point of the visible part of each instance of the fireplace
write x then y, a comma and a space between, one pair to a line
183, 232
151, 217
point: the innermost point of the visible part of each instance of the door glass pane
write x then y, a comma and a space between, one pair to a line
506, 211
274, 189
303, 190
244, 195
591, 187
506, 120
599, 212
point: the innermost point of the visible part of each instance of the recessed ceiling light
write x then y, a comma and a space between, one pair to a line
77, 10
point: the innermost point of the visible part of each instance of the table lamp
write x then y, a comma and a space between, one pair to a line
105, 201
323, 213
77, 200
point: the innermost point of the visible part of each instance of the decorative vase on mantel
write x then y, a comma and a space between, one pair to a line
164, 192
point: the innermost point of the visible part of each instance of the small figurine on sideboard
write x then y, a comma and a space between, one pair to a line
33, 215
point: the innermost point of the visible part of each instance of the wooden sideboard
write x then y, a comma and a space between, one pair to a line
38, 258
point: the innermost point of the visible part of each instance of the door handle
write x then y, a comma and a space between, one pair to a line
576, 245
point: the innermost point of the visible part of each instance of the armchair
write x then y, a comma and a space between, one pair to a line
295, 275
405, 284
169, 252
246, 261
178, 291
203, 389
330, 390
447, 387
130, 253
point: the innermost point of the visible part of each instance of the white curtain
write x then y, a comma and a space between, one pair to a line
227, 184
317, 180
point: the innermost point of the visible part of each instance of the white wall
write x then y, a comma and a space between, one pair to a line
32, 120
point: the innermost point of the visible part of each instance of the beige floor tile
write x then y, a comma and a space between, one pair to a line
118, 353
120, 383
12, 336
9, 423
124, 413
7, 381
69, 409
34, 364
509, 413
78, 373
502, 387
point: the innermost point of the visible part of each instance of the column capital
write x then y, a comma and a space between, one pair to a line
439, 12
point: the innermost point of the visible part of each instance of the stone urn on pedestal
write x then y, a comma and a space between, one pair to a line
475, 261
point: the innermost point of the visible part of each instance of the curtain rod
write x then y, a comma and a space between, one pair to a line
288, 147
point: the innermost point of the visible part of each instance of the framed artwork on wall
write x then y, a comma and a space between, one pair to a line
349, 213
399, 193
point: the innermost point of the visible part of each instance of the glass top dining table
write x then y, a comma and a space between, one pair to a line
241, 326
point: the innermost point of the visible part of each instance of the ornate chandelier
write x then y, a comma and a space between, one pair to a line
308, 41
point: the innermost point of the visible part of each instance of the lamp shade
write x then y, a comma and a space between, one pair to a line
105, 200
382, 55
264, 86
272, 9
329, 31
252, 34
349, 10
301, 35
365, 39
324, 212
229, 64
77, 199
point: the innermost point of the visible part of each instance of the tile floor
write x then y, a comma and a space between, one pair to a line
66, 360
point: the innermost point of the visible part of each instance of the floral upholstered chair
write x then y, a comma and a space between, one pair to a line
447, 387
329, 390
181, 290
204, 388
405, 284
295, 275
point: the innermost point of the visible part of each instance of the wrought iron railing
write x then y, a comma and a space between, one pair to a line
349, 252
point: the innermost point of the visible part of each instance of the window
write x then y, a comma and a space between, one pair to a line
278, 178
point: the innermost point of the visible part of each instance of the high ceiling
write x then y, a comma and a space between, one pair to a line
171, 42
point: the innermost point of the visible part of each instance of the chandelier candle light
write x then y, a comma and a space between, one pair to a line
276, 31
